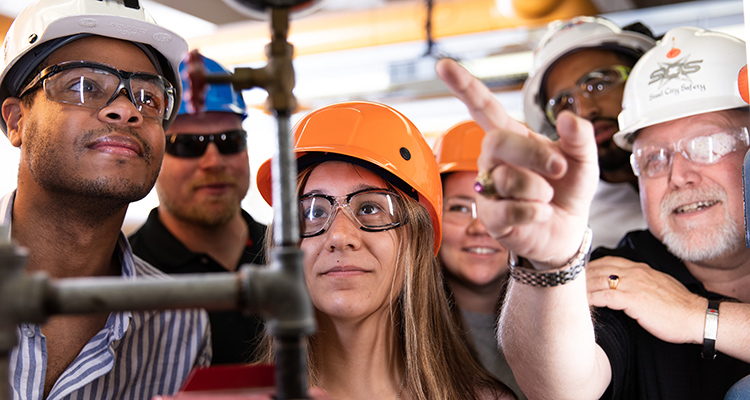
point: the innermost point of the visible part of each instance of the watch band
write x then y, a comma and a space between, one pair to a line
710, 330
569, 271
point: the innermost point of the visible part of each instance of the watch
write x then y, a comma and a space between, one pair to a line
567, 273
710, 330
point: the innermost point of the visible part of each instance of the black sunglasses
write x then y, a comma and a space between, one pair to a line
191, 145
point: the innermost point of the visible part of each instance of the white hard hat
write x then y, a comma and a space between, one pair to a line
564, 37
690, 71
46, 25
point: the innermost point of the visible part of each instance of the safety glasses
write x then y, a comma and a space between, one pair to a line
193, 145
592, 85
655, 160
96, 85
374, 210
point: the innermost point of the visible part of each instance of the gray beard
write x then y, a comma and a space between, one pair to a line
710, 244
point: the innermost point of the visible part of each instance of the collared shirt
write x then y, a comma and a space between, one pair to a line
137, 355
235, 335
645, 367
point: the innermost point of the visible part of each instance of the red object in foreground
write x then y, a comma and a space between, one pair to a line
195, 95
228, 382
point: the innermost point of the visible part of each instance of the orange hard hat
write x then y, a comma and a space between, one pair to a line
458, 148
374, 133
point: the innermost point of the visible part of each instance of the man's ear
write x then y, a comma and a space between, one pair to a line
12, 113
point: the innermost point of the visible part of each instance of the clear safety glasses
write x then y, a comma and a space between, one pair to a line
655, 160
194, 145
374, 210
96, 85
459, 210
592, 85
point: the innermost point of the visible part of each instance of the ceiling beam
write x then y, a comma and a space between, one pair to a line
214, 11
397, 22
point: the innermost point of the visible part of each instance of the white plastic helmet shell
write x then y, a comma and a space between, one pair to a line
690, 71
46, 20
562, 38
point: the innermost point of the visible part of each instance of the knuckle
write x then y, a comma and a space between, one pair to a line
520, 213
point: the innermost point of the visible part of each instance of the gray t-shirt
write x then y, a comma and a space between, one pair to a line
481, 328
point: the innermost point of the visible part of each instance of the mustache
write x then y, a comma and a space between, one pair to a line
678, 198
214, 179
606, 119
90, 135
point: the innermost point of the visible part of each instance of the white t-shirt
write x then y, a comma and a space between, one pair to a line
615, 211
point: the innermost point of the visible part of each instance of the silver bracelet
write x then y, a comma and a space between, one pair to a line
569, 271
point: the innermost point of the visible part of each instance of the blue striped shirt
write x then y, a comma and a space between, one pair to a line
136, 355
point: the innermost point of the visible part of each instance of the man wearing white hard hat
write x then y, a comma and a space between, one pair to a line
672, 321
87, 89
581, 65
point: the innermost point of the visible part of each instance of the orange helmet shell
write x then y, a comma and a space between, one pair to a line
374, 133
458, 148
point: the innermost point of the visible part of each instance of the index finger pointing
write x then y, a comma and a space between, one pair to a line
484, 108
506, 140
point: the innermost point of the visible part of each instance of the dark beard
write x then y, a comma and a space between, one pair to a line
612, 158
96, 198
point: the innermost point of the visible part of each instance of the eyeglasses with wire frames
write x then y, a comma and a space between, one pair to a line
188, 145
459, 210
96, 85
373, 210
592, 85
655, 160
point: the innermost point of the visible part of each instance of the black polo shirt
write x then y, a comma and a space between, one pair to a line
644, 367
234, 336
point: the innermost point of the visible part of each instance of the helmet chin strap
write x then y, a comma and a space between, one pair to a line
131, 4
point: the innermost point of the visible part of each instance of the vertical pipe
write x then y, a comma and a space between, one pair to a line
284, 175
291, 355
291, 380
291, 362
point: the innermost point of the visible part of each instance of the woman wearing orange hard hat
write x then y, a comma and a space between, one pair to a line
370, 203
474, 264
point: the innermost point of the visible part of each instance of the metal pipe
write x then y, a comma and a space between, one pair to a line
292, 379
282, 291
277, 292
94, 295
286, 303
290, 333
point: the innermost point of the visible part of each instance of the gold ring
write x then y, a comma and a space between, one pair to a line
485, 186
613, 280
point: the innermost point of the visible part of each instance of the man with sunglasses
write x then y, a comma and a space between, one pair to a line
674, 301
87, 89
199, 225
581, 65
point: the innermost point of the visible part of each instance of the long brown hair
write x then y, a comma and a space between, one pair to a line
438, 362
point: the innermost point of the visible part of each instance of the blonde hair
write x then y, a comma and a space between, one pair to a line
437, 359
